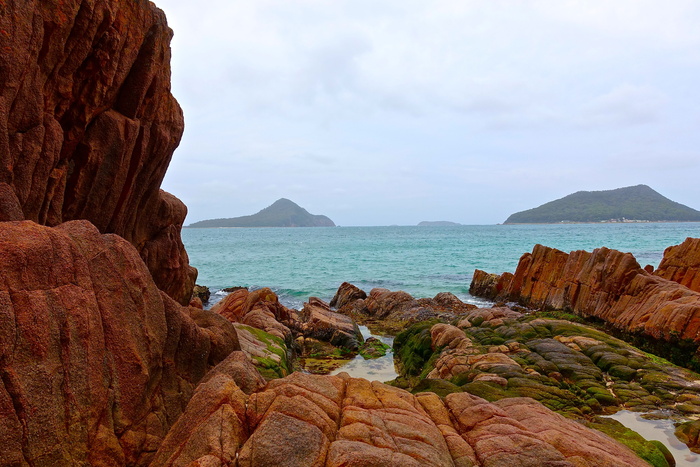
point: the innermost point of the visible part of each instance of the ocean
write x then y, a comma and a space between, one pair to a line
298, 263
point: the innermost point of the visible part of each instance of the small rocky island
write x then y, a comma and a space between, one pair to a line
630, 204
282, 213
437, 224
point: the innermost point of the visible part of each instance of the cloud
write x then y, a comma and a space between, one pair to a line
625, 105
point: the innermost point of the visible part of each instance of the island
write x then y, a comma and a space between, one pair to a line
282, 213
637, 203
437, 224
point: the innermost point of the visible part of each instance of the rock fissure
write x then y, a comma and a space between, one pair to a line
14, 392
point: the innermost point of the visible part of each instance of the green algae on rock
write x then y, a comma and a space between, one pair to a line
373, 348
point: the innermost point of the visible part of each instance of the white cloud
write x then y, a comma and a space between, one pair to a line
624, 105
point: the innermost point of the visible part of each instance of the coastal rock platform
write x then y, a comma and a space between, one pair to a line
610, 286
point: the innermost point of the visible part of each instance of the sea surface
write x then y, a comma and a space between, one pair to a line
298, 263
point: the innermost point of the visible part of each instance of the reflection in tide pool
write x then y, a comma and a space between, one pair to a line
379, 369
659, 430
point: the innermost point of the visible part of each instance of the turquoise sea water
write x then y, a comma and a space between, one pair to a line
301, 262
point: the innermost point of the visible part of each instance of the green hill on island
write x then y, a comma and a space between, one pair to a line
282, 213
630, 204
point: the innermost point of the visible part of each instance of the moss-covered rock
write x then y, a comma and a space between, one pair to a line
689, 434
373, 348
413, 348
321, 358
267, 352
569, 367
438, 386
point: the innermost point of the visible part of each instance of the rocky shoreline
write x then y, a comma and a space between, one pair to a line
107, 358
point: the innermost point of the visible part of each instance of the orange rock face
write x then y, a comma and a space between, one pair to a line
88, 125
681, 263
604, 284
338, 421
96, 363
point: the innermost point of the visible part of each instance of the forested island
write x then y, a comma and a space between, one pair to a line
282, 213
637, 203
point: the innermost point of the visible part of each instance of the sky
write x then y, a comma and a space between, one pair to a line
388, 112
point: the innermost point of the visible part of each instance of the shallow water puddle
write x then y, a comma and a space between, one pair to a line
379, 369
659, 430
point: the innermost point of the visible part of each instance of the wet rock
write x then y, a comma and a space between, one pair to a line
321, 358
373, 348
688, 433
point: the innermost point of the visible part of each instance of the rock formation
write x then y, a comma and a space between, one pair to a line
88, 125
96, 363
604, 284
392, 311
681, 263
317, 321
347, 293
342, 421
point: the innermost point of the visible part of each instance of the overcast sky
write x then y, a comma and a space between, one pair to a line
377, 112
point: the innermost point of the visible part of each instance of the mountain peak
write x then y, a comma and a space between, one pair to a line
628, 204
281, 213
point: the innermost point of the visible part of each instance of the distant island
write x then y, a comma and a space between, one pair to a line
437, 224
630, 204
282, 213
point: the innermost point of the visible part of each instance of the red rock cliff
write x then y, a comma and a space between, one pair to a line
681, 263
88, 125
604, 284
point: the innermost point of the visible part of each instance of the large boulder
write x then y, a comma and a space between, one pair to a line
96, 363
347, 293
88, 125
317, 321
260, 309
